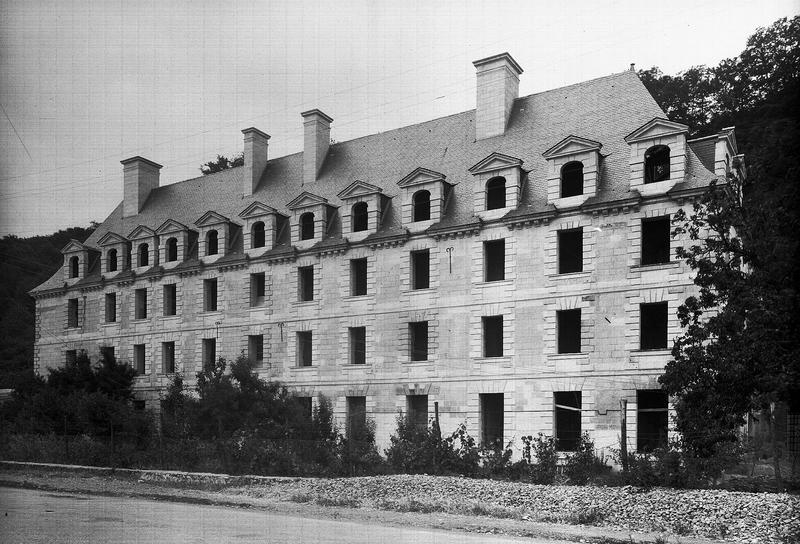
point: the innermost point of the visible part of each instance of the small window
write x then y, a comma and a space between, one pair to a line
307, 226
494, 259
170, 299
568, 328
359, 216
358, 277
257, 289
492, 419
421, 269
358, 345
140, 304
144, 255
651, 419
111, 260
418, 340
356, 416
209, 353
421, 206
570, 251
655, 240
417, 409
305, 283
653, 322
168, 357
304, 351
257, 238
656, 164
138, 358
568, 420
572, 179
210, 295
111, 307
496, 193
71, 357
73, 267
212, 242
172, 250
492, 335
255, 348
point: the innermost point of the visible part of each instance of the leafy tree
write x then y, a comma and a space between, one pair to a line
222, 163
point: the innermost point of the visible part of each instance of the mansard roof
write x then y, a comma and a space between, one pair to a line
420, 176
656, 128
571, 144
358, 188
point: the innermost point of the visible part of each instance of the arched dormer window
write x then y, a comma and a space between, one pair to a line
172, 250
212, 242
307, 226
257, 235
656, 164
144, 255
73, 267
572, 179
359, 216
111, 264
496, 193
421, 203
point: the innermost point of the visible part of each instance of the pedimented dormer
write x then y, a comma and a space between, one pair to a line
725, 150
262, 224
175, 243
215, 236
424, 195
310, 216
362, 209
114, 255
498, 185
144, 248
77, 261
658, 156
573, 167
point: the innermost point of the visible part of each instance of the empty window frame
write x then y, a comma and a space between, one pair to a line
73, 267
172, 250
494, 260
653, 318
567, 419
72, 313
212, 242
140, 304
568, 329
570, 251
170, 297
209, 354
421, 206
655, 240
257, 237
496, 193
304, 348
656, 164
305, 283
111, 307
210, 295
255, 348
418, 340
257, 289
359, 216
144, 255
71, 357
492, 420
168, 357
108, 353
417, 410
572, 179
306, 408
356, 417
358, 345
111, 260
138, 358
651, 419
358, 277
307, 226
492, 335
421, 269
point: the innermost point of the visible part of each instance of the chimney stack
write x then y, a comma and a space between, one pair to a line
140, 176
316, 141
255, 158
498, 87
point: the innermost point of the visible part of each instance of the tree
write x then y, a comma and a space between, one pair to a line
222, 163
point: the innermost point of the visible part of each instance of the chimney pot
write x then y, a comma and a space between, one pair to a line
140, 177
256, 144
497, 88
316, 141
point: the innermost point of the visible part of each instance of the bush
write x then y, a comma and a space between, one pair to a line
416, 450
583, 466
544, 448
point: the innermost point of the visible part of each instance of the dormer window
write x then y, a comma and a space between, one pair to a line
359, 216
421, 202
257, 238
496, 193
212, 242
144, 255
572, 179
656, 164
307, 226
172, 250
112, 261
73, 267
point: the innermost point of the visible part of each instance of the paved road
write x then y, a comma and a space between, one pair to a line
30, 516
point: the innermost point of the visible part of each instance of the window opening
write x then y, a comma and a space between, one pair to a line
73, 267
305, 283
209, 353
492, 336
417, 410
570, 251
358, 345
111, 307
257, 289
144, 255
140, 304
168, 357
572, 179
72, 313
651, 419
172, 250
358, 277
111, 264
492, 419
655, 240
255, 348
212, 242
359, 216
307, 226
304, 345
356, 416
568, 327
418, 339
494, 258
496, 193
138, 358
421, 269
653, 321
656, 164
568, 420
210, 295
170, 299
257, 237
421, 203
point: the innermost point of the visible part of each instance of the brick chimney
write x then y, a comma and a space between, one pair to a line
140, 176
255, 158
316, 141
498, 87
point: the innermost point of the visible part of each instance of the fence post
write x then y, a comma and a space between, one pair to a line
623, 422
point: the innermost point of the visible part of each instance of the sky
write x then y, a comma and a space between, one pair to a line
84, 85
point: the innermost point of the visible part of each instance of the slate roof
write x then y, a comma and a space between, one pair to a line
605, 109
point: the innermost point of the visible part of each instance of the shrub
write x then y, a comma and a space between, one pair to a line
544, 448
583, 465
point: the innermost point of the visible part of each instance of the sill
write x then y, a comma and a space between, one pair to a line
425, 362
210, 312
171, 316
358, 297
355, 366
652, 352
110, 323
421, 290
574, 355
302, 368
258, 307
139, 320
656, 266
500, 359
571, 275
492, 283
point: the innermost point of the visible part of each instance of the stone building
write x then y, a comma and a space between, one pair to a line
512, 264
